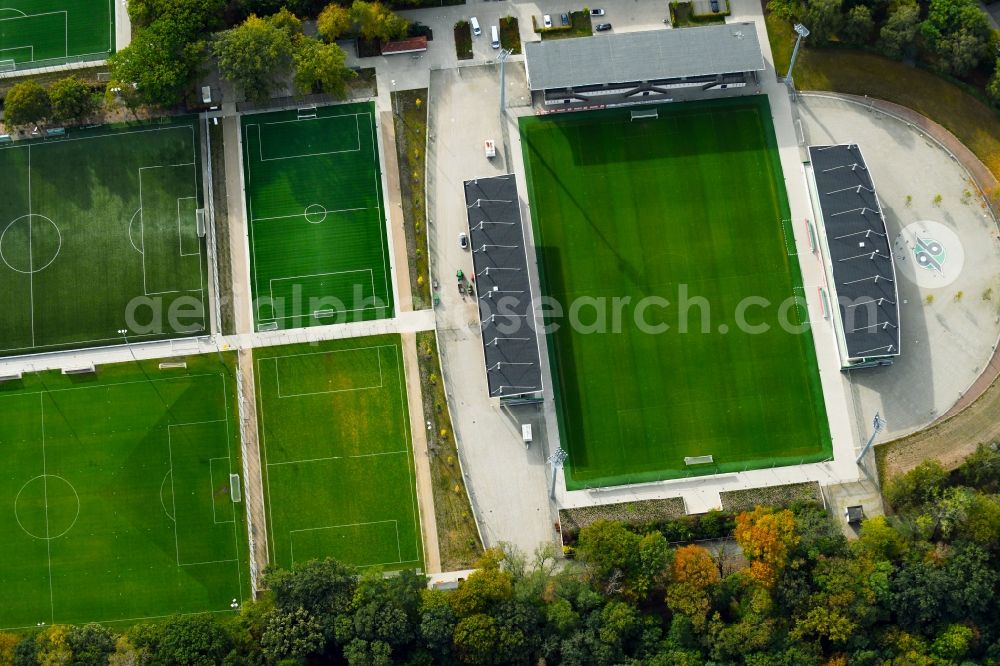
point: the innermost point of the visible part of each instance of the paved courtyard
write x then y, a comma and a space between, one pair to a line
948, 310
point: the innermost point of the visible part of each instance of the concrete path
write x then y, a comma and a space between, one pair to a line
123, 25
421, 455
239, 239
252, 477
507, 483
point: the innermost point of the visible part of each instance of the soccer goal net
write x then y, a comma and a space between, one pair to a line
645, 114
7, 65
234, 488
698, 460
305, 112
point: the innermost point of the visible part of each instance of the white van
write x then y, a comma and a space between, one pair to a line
476, 30
495, 34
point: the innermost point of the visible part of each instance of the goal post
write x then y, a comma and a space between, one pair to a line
234, 488
698, 460
7, 65
645, 114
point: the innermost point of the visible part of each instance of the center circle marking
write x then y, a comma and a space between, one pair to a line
47, 507
34, 233
315, 213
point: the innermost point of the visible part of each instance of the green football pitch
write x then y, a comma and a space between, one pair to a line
115, 501
49, 32
690, 203
335, 443
318, 248
99, 232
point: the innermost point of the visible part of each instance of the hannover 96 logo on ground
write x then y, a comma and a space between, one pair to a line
929, 254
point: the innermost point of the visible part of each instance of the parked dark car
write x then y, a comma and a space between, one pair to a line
564, 18
715, 5
601, 27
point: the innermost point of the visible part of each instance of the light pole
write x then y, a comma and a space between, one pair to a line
502, 59
557, 459
878, 423
395, 104
124, 333
802, 33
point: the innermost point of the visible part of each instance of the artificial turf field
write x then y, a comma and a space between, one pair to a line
98, 232
336, 453
115, 495
634, 209
47, 32
318, 248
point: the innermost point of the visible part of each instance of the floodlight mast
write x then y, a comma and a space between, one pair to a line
502, 59
802, 33
878, 423
557, 459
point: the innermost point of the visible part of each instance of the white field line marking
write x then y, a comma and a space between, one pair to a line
291, 538
287, 217
133, 619
236, 524
348, 390
173, 494
407, 451
142, 230
31, 272
327, 458
371, 278
180, 229
65, 16
383, 219
45, 485
211, 483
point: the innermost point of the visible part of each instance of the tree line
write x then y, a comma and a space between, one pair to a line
953, 37
916, 589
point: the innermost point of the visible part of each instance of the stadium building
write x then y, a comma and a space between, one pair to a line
644, 67
857, 256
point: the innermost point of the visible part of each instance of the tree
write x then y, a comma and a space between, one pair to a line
611, 551
958, 32
324, 588
484, 588
858, 26
897, 37
192, 640
157, 64
477, 639
322, 67
71, 99
333, 22
26, 103
254, 55
287, 21
981, 470
824, 19
91, 644
375, 21
921, 484
437, 622
879, 540
8, 643
784, 9
294, 635
766, 537
127, 654
953, 643
692, 573
53, 647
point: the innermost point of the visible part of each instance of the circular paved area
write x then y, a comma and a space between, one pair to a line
947, 253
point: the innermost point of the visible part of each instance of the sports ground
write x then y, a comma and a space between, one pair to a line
49, 32
115, 497
692, 199
335, 445
318, 247
99, 231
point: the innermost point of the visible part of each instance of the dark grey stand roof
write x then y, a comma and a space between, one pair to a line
510, 342
860, 251
644, 56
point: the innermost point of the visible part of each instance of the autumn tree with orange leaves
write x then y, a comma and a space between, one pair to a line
692, 573
766, 537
